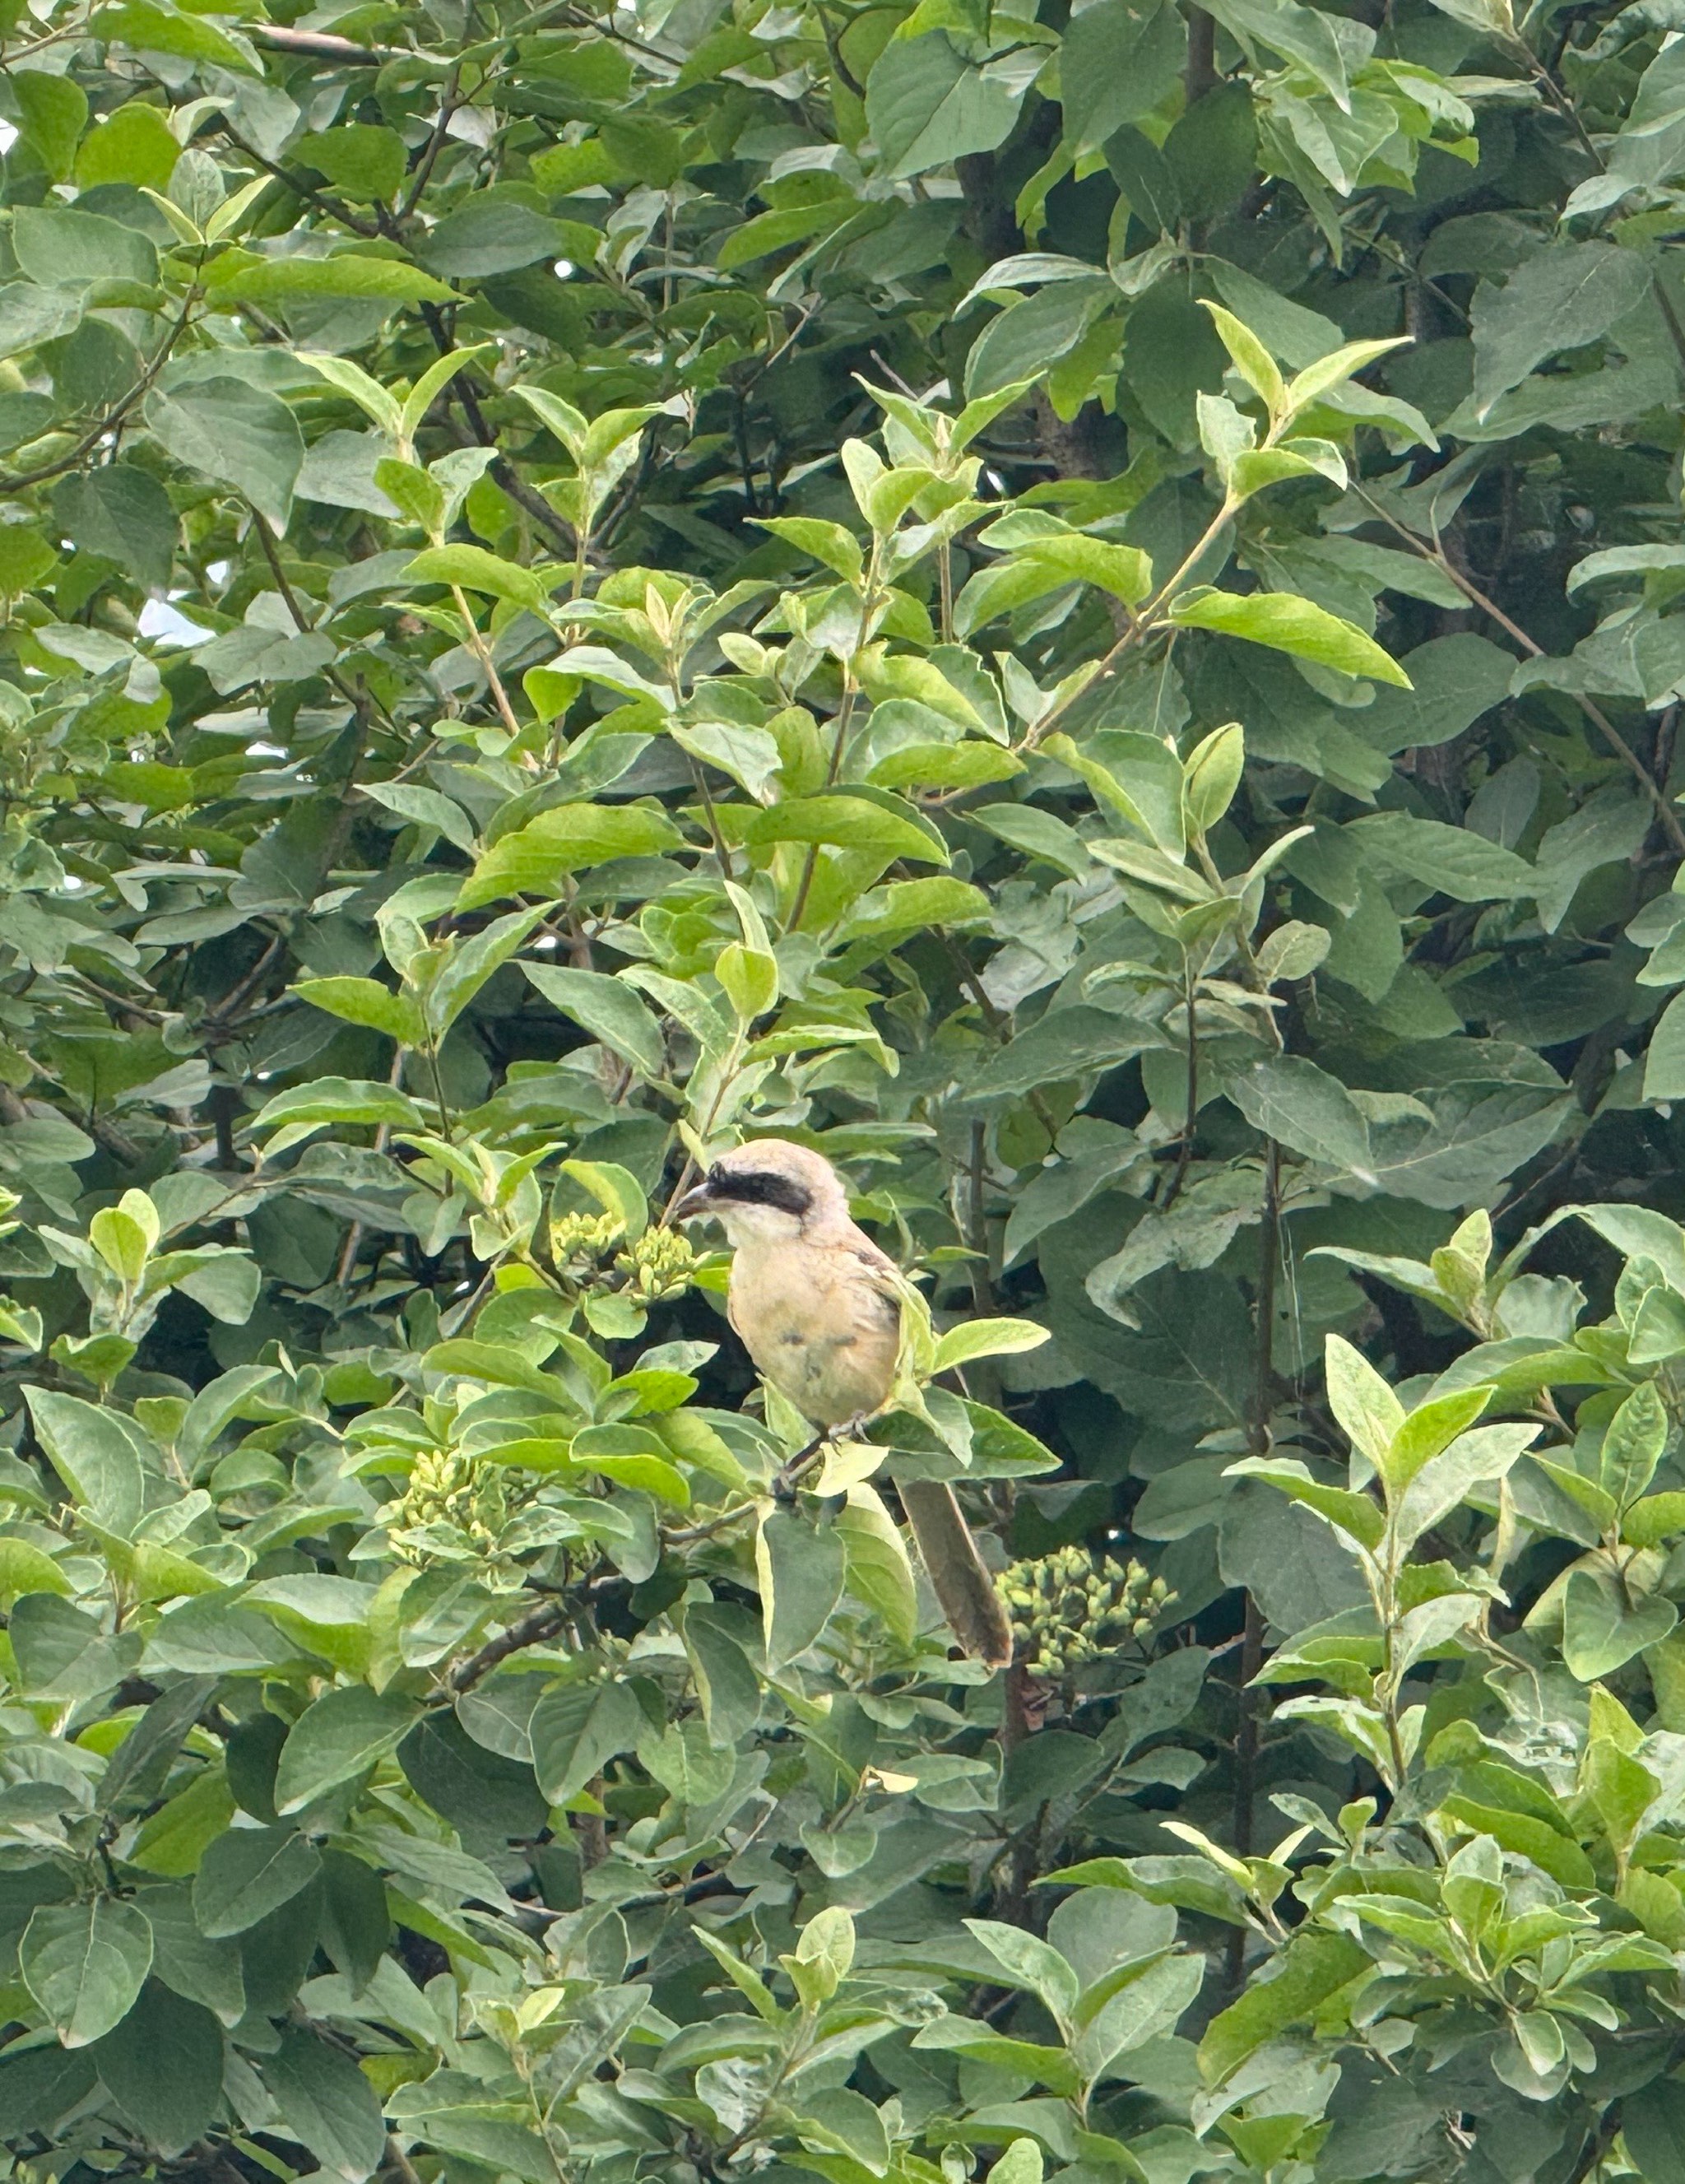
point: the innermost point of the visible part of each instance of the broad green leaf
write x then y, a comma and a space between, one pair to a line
1031, 1963
1431, 1426
926, 106
847, 822
234, 434
802, 1570
335, 1739
476, 571
539, 858
1354, 1514
365, 1001
1633, 1445
248, 1873
345, 273
1315, 1965
1560, 298
985, 1337
1368, 1410
327, 2104
164, 2065
85, 1964
576, 1729
1288, 624
1249, 357
151, 26
1290, 1098
1603, 1628
53, 113
338, 1100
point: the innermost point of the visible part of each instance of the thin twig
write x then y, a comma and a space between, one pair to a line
482, 652
547, 1620
17, 481
1594, 713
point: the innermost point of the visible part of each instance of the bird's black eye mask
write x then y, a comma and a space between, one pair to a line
760, 1187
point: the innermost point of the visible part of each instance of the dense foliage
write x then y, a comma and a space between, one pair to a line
1075, 606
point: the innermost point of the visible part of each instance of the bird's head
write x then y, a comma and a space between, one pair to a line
768, 1192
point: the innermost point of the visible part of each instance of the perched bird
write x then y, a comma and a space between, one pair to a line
818, 1308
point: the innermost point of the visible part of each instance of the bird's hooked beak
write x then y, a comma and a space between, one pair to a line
698, 1201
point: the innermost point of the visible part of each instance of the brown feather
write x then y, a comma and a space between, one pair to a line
818, 1308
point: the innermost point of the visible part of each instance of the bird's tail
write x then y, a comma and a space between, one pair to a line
967, 1591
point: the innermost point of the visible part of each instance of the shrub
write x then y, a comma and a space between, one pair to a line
1078, 613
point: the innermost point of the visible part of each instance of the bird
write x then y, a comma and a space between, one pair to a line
818, 1306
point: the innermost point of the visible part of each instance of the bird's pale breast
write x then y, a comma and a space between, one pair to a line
818, 1325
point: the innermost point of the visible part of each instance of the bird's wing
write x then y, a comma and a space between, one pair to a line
918, 1339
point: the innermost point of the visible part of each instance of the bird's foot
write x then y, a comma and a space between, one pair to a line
789, 1475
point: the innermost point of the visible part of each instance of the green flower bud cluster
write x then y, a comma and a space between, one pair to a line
659, 1264
578, 1240
454, 1508
1067, 1609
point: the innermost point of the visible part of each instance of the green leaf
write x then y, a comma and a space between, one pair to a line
362, 162
1559, 298
1021, 2162
1301, 34
1653, 2129
426, 807
985, 1337
1249, 357
53, 112
235, 435
615, 1189
327, 2104
134, 144
339, 1099
880, 1571
151, 27
1124, 572
576, 1729
137, 1769
538, 858
802, 1572
1355, 1514
39, 2086
1116, 62
1452, 860
59, 247
283, 280
85, 1964
1633, 1445
1144, 2009
162, 2065
1603, 1630
365, 1001
335, 1739
1665, 1057
926, 106
248, 1873
1656, 1518
1031, 1963
1368, 1410
25, 1567
1429, 1429
488, 235
847, 822
826, 543
123, 514
1292, 1100
1289, 624
477, 570
778, 230
1313, 1966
